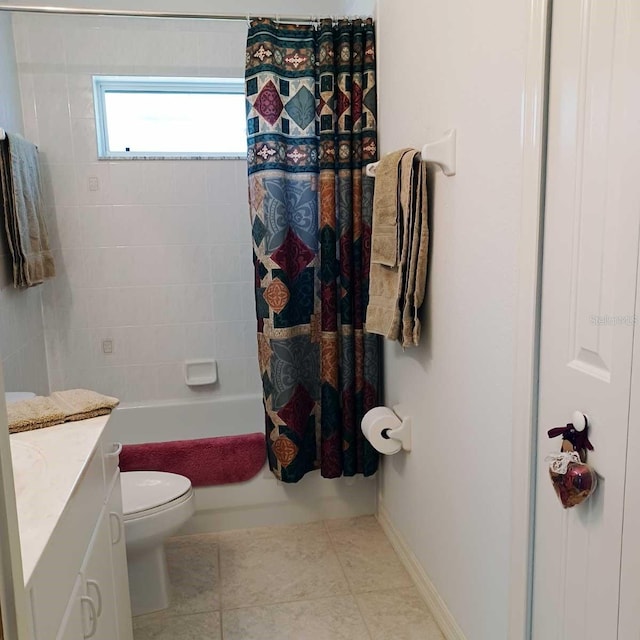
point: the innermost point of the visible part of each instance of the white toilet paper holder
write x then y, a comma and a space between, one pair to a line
403, 432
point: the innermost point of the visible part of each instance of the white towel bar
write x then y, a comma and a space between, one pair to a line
442, 153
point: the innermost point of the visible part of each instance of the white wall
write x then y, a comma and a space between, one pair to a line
158, 259
21, 334
459, 64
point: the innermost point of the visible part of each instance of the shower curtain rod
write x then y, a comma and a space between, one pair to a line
79, 11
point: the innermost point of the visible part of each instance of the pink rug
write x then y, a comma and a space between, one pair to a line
206, 462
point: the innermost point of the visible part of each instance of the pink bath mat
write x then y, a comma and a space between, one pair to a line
206, 461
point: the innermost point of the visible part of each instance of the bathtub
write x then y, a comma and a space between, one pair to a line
261, 501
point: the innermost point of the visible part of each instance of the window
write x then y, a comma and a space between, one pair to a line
142, 117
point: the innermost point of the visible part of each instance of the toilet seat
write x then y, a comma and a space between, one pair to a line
167, 506
148, 492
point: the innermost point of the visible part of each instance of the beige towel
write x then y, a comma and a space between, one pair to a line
416, 277
59, 407
396, 292
22, 204
385, 239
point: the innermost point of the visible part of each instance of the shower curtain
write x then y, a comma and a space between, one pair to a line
311, 123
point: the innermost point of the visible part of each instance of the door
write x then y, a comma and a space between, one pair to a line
97, 574
119, 557
590, 263
80, 619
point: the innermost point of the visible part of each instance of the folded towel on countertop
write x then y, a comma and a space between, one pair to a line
61, 406
23, 208
397, 287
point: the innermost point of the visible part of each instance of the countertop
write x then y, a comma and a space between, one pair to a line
47, 465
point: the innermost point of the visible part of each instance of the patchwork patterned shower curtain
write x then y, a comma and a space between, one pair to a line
311, 114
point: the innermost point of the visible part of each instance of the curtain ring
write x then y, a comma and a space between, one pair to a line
277, 19
248, 20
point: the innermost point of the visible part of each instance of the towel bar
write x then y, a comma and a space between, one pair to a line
442, 153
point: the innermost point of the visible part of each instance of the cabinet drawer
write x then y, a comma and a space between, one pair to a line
54, 576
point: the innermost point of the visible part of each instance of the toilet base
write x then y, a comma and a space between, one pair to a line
148, 581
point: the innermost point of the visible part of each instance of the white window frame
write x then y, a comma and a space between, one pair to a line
144, 84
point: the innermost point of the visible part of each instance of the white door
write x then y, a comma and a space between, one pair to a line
629, 619
97, 573
119, 557
588, 304
80, 617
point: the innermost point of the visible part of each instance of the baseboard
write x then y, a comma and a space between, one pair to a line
447, 623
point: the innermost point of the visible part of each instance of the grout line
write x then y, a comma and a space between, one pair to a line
354, 595
219, 556
280, 602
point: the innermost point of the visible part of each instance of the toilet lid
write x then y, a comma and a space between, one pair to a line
144, 490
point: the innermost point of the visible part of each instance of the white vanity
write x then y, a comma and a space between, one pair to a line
72, 532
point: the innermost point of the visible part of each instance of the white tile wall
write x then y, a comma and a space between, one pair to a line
22, 349
158, 259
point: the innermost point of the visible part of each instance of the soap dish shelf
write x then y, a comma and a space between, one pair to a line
200, 372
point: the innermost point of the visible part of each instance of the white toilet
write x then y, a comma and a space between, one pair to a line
155, 506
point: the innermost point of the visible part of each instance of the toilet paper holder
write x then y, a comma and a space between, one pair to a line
402, 433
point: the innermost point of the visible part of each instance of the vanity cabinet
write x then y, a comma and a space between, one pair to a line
79, 588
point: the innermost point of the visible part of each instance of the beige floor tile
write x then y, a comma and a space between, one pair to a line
268, 532
364, 523
325, 619
400, 614
368, 559
193, 574
160, 626
278, 565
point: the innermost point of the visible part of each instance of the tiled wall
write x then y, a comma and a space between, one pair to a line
158, 258
22, 348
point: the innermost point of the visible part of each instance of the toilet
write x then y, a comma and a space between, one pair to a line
155, 506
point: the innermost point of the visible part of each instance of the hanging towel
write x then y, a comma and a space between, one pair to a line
385, 240
23, 210
416, 276
59, 407
396, 289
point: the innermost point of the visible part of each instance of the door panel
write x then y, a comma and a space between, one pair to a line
119, 556
588, 305
97, 573
629, 618
75, 623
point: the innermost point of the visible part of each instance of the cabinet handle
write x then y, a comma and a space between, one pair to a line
96, 586
114, 515
117, 450
93, 616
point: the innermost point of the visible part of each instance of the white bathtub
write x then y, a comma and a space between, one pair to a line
261, 501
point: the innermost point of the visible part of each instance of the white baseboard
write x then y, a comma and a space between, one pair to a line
441, 614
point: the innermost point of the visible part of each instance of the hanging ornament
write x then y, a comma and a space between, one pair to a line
573, 479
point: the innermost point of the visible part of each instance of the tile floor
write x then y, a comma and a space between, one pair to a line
331, 580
